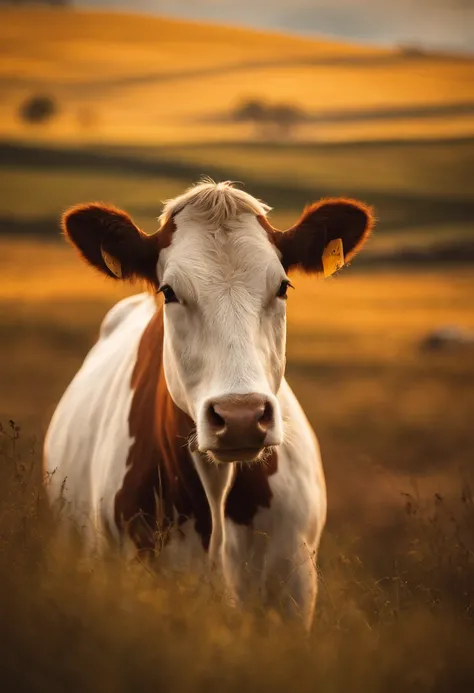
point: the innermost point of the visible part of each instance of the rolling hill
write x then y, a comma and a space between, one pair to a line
144, 110
445, 24
121, 78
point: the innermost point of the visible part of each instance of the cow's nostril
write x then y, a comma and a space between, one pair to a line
266, 419
214, 419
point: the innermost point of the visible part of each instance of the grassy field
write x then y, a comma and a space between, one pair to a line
143, 105
395, 426
133, 79
422, 191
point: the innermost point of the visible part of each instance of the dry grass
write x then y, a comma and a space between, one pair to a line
395, 424
99, 625
143, 79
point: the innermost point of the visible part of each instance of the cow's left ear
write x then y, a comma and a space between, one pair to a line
307, 244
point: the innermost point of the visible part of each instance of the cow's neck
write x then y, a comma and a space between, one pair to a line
165, 482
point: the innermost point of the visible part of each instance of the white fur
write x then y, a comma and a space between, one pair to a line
216, 202
227, 335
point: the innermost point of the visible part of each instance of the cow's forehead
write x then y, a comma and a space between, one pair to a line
237, 251
217, 203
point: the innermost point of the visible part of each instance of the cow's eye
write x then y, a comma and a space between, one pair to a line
282, 291
168, 293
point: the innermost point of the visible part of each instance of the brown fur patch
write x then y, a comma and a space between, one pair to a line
251, 490
160, 465
159, 461
303, 244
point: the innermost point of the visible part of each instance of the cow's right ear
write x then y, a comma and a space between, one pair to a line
108, 239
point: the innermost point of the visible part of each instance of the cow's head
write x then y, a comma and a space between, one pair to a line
223, 272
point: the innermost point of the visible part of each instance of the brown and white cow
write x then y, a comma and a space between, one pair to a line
179, 434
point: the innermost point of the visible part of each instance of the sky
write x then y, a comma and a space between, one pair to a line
441, 24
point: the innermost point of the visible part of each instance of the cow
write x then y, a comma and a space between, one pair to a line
179, 437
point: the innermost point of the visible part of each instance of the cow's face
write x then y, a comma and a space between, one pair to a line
224, 354
222, 270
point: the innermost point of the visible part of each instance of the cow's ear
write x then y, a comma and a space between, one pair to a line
313, 244
108, 239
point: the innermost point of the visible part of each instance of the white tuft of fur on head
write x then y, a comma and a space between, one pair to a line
215, 203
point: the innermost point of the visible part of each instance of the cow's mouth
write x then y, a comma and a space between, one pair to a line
236, 454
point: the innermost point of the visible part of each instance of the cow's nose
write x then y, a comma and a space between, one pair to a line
240, 421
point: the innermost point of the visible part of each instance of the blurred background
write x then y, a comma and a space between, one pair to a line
130, 108
129, 102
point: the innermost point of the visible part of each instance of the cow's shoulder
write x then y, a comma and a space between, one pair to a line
121, 311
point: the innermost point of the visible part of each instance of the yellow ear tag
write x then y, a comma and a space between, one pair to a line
333, 257
112, 263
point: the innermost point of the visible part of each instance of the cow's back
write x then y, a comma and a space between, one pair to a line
87, 443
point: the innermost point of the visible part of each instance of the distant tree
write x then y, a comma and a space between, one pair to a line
38, 109
251, 110
269, 120
411, 51
285, 118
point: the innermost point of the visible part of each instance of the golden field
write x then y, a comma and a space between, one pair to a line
354, 356
144, 109
143, 106
395, 427
147, 80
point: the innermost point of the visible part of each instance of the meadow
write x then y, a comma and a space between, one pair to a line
396, 563
149, 80
142, 106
